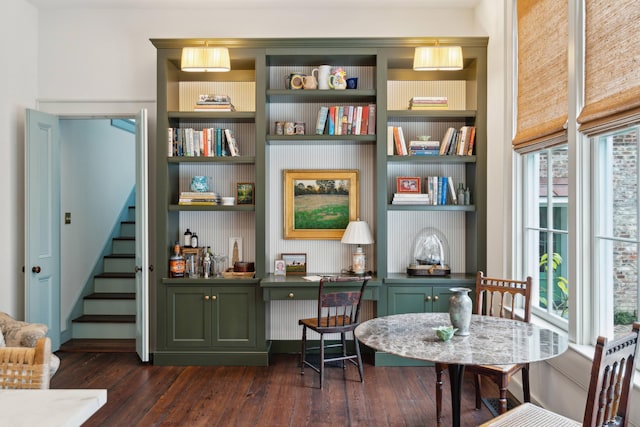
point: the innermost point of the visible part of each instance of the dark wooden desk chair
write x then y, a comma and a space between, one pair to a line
338, 312
608, 400
496, 297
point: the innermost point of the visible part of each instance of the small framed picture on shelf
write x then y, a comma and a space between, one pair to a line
244, 193
295, 263
408, 184
279, 268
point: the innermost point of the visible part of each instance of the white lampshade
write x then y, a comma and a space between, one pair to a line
432, 58
357, 233
205, 59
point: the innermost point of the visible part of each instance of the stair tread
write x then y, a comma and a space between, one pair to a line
111, 295
106, 318
126, 256
116, 275
124, 238
127, 222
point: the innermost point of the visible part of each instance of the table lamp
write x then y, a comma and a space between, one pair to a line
358, 233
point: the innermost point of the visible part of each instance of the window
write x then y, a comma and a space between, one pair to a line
546, 174
616, 238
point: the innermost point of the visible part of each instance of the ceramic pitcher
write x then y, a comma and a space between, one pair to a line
338, 79
322, 74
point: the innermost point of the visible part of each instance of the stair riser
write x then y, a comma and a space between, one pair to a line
119, 265
123, 247
131, 214
114, 285
104, 330
127, 230
109, 306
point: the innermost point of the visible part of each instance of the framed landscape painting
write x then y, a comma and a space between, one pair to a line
318, 204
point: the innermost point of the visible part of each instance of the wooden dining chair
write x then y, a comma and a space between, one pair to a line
502, 298
608, 399
338, 312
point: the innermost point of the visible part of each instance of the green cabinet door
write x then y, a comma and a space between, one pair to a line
234, 316
188, 316
418, 299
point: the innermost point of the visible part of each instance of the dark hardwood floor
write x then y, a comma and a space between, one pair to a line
146, 395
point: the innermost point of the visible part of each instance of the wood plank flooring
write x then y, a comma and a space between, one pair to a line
146, 395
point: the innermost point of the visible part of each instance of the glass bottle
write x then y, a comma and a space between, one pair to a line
187, 239
460, 194
194, 240
467, 196
206, 265
177, 263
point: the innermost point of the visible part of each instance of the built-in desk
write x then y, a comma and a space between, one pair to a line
295, 288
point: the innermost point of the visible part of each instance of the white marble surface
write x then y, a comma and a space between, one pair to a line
492, 341
51, 408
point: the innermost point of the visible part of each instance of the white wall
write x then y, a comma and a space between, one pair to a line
98, 174
19, 44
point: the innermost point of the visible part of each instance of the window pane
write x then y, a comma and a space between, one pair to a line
546, 231
616, 231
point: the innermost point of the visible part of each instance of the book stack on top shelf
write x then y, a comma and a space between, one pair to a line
197, 198
411, 199
424, 148
429, 103
216, 103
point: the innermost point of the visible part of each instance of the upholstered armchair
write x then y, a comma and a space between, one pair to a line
15, 333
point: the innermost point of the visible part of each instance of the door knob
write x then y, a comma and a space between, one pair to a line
137, 269
35, 269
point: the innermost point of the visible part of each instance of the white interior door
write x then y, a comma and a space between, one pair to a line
42, 222
142, 238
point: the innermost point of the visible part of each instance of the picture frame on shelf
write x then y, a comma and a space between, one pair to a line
245, 193
295, 263
408, 184
235, 250
320, 203
279, 268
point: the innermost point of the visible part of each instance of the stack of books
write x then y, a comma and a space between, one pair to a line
429, 103
214, 103
196, 198
410, 199
346, 120
458, 142
424, 148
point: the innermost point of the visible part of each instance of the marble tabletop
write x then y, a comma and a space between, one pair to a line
492, 341
51, 408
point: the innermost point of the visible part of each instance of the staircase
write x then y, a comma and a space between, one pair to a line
109, 313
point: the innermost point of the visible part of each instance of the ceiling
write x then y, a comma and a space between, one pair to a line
160, 4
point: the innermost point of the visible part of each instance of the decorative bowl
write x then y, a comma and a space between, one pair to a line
445, 333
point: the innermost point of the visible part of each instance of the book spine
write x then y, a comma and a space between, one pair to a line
218, 142
321, 121
389, 140
350, 120
170, 144
452, 191
365, 120
358, 119
371, 128
332, 120
472, 140
338, 119
403, 144
344, 119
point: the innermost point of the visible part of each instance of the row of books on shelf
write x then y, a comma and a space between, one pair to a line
439, 190
429, 103
208, 142
346, 120
456, 142
207, 102
197, 198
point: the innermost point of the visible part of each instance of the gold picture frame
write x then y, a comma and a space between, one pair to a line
318, 204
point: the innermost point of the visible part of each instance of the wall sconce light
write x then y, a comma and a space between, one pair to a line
199, 59
358, 233
433, 58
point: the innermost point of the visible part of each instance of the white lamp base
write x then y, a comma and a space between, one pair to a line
359, 261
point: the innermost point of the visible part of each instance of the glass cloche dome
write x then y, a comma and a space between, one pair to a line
430, 254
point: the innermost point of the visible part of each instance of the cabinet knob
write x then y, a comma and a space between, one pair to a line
428, 298
291, 295
206, 297
214, 297
436, 298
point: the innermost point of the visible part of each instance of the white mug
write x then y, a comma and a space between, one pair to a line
322, 75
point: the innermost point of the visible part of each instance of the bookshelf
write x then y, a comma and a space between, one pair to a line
257, 87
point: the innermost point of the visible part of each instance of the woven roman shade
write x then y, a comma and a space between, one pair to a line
543, 37
612, 65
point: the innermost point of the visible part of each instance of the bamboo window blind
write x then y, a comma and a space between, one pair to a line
542, 100
612, 65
